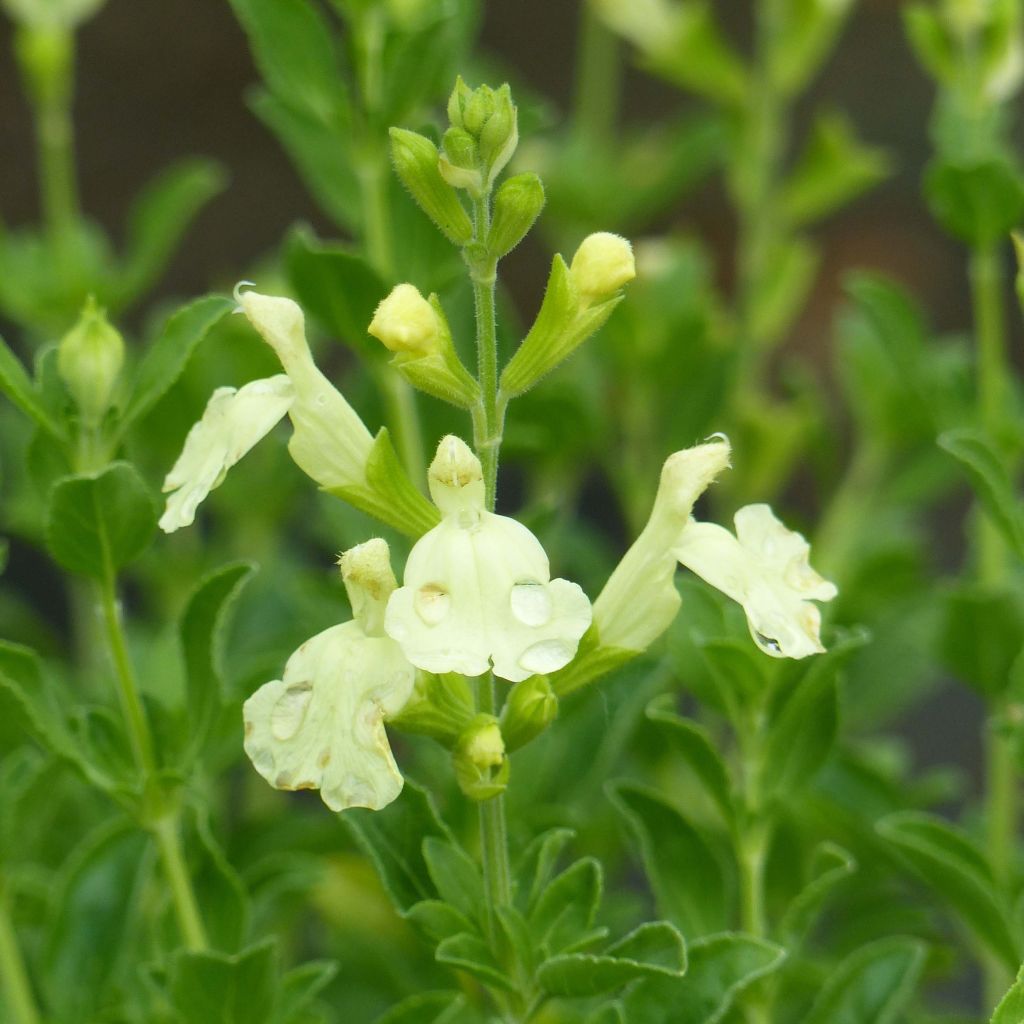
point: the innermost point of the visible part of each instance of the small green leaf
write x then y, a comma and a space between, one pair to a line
739, 675
518, 939
97, 523
831, 865
872, 985
16, 385
780, 293
980, 202
693, 744
166, 358
1011, 1007
990, 480
469, 953
957, 873
300, 986
537, 865
203, 630
696, 900
437, 920
720, 968
802, 735
337, 286
238, 989
655, 949
426, 1008
833, 169
393, 839
933, 45
158, 219
566, 909
220, 892
455, 875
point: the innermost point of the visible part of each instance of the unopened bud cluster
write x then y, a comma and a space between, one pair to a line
483, 136
89, 361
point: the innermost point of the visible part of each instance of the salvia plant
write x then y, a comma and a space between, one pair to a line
588, 733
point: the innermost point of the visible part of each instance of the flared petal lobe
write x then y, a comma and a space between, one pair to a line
234, 420
765, 568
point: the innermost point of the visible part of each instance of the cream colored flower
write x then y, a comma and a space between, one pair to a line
640, 600
233, 421
765, 568
330, 443
478, 590
405, 322
322, 725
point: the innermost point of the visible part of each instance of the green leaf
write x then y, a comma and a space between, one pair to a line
220, 892
831, 865
980, 202
97, 523
537, 865
294, 49
1011, 1007
696, 900
990, 479
16, 385
655, 949
92, 936
697, 56
783, 287
933, 45
981, 635
203, 631
957, 873
720, 968
566, 909
739, 674
158, 219
469, 953
337, 286
833, 169
802, 735
693, 744
872, 985
239, 989
393, 839
300, 986
518, 943
804, 34
437, 920
426, 1008
166, 358
455, 875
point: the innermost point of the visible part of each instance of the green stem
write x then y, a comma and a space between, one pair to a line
139, 736
167, 833
756, 198
19, 998
488, 421
1001, 789
598, 82
165, 826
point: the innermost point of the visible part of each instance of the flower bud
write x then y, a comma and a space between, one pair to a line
406, 322
601, 266
458, 101
89, 361
416, 164
416, 330
499, 136
456, 478
517, 205
45, 52
481, 765
369, 582
531, 707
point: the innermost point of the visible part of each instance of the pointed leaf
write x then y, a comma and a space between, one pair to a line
239, 989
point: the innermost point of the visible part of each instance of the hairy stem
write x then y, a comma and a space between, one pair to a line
18, 991
165, 826
167, 833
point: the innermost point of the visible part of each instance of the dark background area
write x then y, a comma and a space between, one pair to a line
157, 81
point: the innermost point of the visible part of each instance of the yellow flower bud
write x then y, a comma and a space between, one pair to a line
601, 266
481, 766
406, 322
